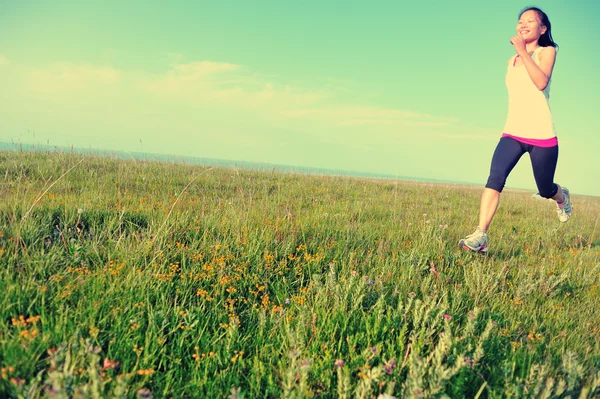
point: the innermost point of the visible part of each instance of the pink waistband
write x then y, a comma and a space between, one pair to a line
551, 142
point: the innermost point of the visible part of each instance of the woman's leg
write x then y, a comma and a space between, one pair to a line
489, 204
543, 162
507, 154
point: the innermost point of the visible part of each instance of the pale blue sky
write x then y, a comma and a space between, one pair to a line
414, 89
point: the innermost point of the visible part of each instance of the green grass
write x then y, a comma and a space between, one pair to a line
233, 283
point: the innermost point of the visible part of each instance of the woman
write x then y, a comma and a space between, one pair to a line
529, 126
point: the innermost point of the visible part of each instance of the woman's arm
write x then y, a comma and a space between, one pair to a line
540, 74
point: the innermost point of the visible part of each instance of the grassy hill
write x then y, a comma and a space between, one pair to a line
131, 279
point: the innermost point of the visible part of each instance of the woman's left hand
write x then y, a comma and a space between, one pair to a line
519, 43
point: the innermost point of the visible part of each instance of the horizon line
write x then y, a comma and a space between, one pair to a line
229, 163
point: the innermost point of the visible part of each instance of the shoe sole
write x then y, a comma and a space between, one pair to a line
568, 216
467, 248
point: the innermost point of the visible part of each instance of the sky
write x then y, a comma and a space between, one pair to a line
384, 86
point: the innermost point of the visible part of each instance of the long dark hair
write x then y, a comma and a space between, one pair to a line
546, 39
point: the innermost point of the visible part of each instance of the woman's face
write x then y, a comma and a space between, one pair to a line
530, 26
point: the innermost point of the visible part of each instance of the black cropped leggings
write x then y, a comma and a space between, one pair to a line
543, 160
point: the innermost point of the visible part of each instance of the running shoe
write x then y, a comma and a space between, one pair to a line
476, 242
565, 210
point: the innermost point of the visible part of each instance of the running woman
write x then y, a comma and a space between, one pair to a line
529, 126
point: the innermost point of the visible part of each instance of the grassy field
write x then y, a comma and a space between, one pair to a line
135, 279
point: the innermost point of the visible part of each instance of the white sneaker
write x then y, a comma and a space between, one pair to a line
476, 242
565, 212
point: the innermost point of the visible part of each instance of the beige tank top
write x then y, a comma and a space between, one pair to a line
529, 113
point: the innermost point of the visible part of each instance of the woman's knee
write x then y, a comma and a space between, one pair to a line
496, 182
548, 191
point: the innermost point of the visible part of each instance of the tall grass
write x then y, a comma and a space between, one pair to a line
138, 279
